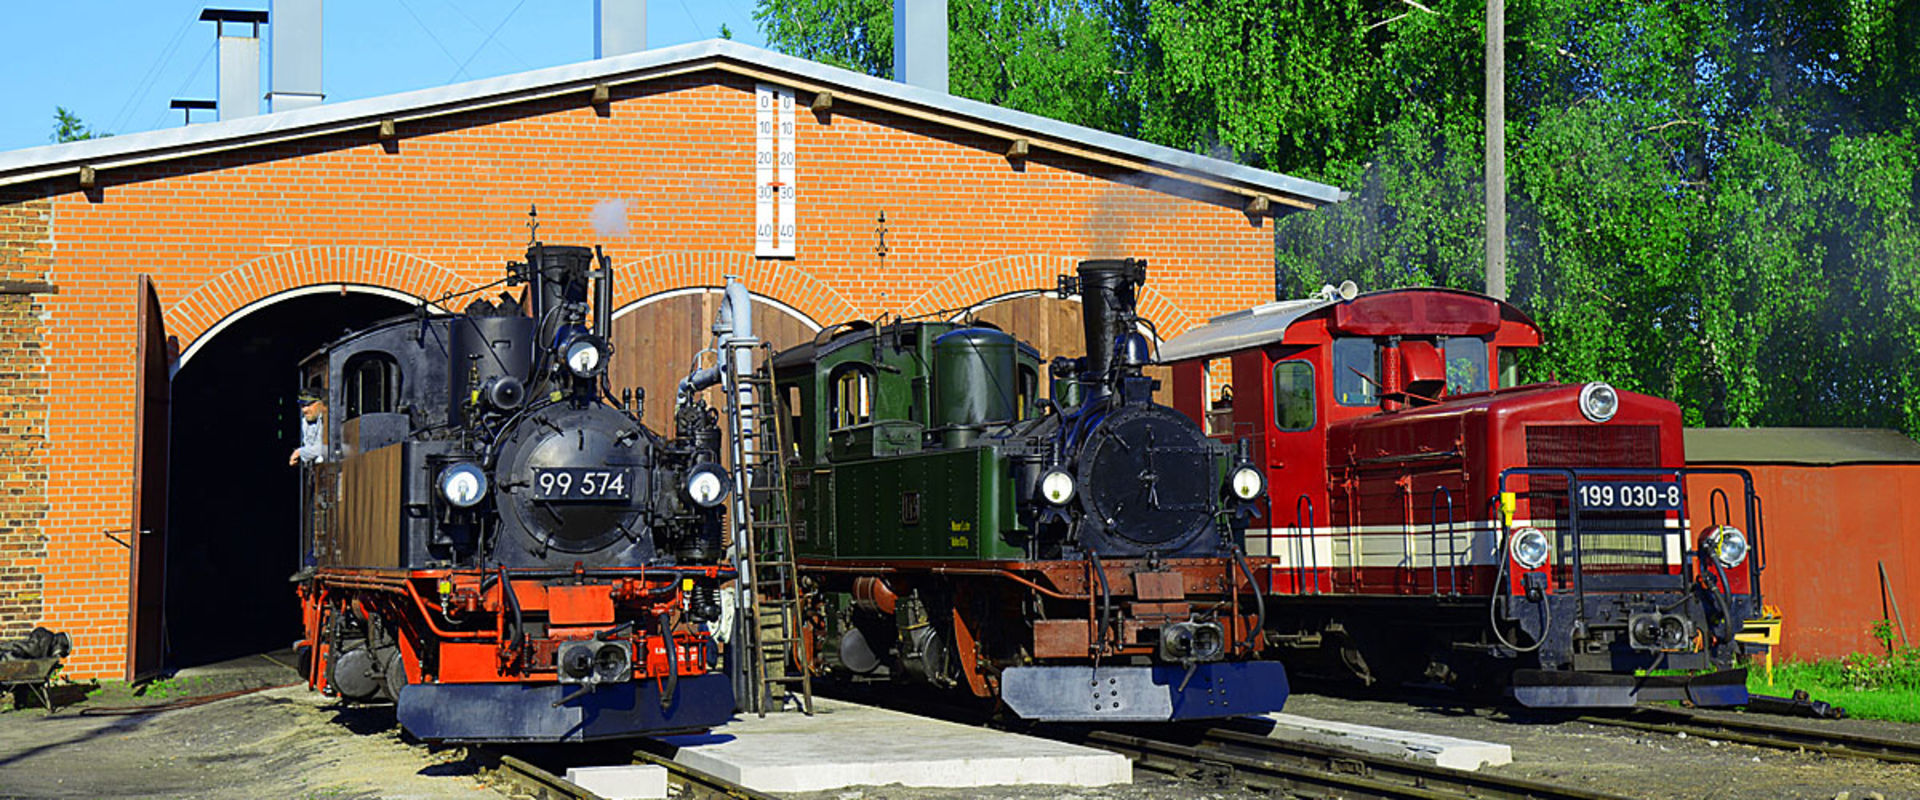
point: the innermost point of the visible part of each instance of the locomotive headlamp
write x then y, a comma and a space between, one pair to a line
1727, 545
1057, 487
586, 356
1246, 482
1529, 547
1598, 401
707, 485
463, 484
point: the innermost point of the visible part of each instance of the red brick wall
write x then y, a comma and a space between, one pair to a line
446, 204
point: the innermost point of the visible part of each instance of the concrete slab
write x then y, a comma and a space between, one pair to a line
636, 782
844, 744
1444, 751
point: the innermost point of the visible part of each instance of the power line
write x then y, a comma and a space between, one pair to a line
453, 4
429, 31
140, 87
483, 42
211, 46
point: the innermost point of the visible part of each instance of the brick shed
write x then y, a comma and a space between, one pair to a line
156, 288
1840, 505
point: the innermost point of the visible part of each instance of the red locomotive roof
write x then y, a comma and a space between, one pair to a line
1410, 311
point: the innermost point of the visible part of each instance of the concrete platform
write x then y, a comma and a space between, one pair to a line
1444, 751
844, 744
636, 782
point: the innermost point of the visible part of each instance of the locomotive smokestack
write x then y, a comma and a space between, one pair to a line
1107, 310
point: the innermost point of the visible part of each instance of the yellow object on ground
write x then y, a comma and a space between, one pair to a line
1764, 631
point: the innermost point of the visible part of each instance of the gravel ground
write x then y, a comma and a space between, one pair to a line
278, 743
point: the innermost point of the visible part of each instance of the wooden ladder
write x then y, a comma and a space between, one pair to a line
772, 600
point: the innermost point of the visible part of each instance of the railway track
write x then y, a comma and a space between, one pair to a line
526, 779
1239, 758
1763, 733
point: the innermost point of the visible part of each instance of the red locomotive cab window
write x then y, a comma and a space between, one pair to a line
1293, 395
1466, 364
1356, 371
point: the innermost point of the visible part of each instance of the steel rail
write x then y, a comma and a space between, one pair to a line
1765, 733
1275, 765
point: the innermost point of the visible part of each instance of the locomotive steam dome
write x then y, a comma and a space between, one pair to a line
1149, 478
574, 479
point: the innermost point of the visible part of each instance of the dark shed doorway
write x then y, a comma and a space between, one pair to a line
233, 503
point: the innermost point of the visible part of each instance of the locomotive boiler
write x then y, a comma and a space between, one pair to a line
1433, 520
494, 542
1077, 557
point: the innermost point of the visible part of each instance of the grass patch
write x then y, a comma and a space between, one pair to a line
1867, 686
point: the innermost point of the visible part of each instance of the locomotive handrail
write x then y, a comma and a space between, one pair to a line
1433, 549
1311, 547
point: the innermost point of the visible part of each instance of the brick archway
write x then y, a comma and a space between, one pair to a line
777, 280
990, 281
346, 266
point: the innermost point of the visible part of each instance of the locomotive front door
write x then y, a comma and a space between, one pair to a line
152, 386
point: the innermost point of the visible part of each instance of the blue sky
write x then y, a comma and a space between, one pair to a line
117, 63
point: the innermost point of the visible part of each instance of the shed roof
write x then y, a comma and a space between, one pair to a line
36, 163
1806, 446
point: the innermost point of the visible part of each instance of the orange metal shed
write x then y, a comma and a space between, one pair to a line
1838, 504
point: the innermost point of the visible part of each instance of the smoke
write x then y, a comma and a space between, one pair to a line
1121, 210
609, 218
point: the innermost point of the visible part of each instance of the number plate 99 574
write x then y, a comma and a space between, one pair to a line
1630, 496
582, 483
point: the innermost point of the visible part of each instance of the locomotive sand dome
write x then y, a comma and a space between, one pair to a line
496, 545
1077, 558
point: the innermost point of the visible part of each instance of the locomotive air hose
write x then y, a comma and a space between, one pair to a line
1106, 601
672, 687
1259, 598
1493, 604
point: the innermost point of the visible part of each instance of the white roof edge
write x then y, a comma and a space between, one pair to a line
1239, 330
34, 163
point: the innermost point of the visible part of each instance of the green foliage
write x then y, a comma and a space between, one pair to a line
1867, 686
67, 127
1714, 202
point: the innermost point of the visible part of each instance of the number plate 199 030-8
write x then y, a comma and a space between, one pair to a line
1629, 496
582, 483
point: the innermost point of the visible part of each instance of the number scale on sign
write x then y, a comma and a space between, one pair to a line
774, 227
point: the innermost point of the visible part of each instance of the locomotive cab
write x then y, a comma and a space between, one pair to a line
1429, 518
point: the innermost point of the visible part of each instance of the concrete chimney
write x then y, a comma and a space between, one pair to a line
296, 55
619, 27
238, 30
920, 43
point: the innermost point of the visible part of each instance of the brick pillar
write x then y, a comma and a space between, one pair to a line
23, 414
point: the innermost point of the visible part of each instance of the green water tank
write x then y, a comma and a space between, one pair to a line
974, 383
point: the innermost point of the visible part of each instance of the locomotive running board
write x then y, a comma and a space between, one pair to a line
1538, 688
516, 712
1144, 694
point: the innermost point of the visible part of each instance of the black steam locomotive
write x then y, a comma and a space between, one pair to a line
1077, 557
493, 540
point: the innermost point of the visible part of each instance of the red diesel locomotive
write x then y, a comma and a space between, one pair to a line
1428, 519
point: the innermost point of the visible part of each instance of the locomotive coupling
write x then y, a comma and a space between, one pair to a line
1659, 632
1187, 642
592, 662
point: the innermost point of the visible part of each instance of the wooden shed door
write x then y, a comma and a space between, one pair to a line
152, 387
